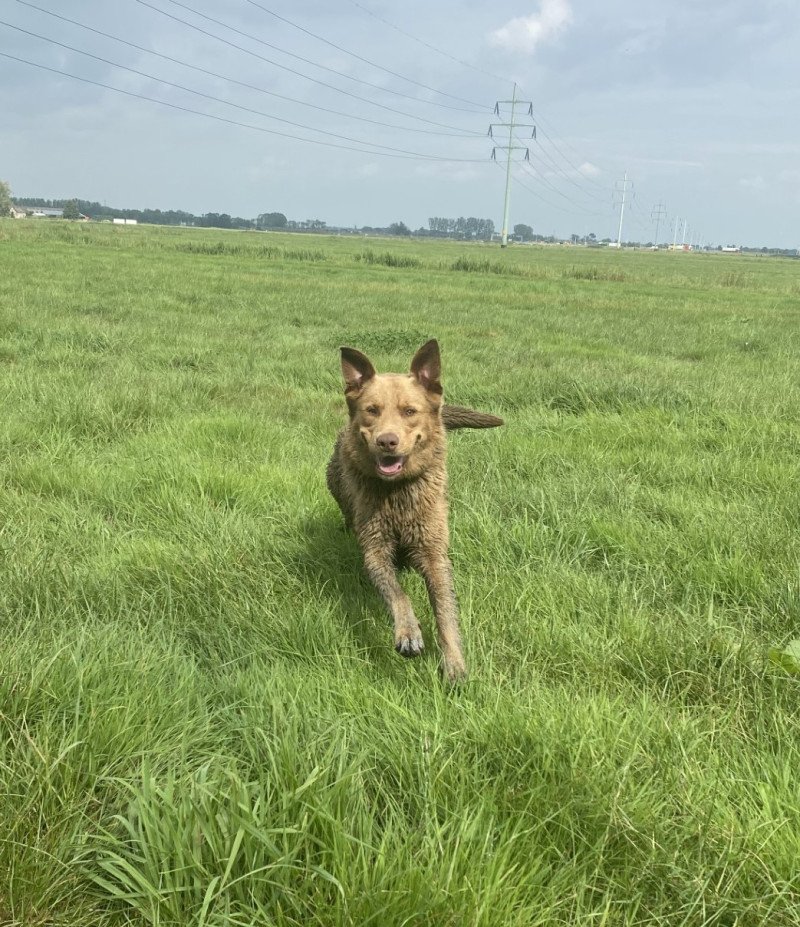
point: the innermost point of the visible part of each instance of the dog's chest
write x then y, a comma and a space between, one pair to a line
411, 516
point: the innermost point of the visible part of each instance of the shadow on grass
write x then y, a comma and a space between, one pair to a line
330, 561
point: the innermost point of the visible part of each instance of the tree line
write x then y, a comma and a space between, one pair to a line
462, 227
75, 207
469, 228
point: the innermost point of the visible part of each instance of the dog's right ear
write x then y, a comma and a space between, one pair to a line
357, 369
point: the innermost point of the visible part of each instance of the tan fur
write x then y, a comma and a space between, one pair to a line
398, 511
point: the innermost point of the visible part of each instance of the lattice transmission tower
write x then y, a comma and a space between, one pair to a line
509, 148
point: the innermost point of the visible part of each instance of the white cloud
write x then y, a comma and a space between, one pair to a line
525, 33
753, 183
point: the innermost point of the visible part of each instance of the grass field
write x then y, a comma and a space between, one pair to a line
202, 719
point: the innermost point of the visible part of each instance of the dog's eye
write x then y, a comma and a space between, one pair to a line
409, 412
373, 410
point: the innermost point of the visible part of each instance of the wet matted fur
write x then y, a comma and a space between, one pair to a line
388, 474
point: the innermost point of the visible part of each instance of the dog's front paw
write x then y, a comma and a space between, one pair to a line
454, 668
408, 642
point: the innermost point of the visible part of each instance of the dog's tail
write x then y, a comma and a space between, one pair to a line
461, 417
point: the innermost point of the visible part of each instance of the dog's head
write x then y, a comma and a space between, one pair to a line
395, 417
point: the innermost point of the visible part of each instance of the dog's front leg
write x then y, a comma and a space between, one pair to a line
407, 632
437, 571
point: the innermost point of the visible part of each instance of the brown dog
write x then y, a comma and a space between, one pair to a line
389, 478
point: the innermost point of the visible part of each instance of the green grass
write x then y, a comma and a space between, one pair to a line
202, 720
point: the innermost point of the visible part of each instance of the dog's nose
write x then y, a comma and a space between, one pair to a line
388, 442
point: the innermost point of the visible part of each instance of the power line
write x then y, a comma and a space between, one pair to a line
284, 67
566, 160
208, 96
541, 125
427, 45
373, 64
456, 134
531, 168
283, 51
466, 64
243, 125
552, 186
539, 197
645, 222
535, 174
631, 201
639, 218
562, 173
526, 164
388, 151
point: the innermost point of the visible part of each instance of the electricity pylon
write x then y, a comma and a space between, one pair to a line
511, 125
621, 186
658, 213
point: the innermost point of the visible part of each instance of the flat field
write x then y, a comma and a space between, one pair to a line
202, 719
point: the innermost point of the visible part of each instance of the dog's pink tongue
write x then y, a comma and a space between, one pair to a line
389, 468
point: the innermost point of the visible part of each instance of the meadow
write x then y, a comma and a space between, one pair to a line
202, 719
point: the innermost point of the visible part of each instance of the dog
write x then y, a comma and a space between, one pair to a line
388, 475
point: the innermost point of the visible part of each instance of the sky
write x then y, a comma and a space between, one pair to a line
385, 109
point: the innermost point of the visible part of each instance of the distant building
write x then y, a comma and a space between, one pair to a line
117, 221
47, 212
731, 249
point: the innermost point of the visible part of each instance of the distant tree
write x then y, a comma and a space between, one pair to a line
271, 220
216, 220
71, 210
399, 228
470, 227
440, 226
5, 199
524, 232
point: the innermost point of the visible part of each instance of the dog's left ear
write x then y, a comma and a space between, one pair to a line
427, 366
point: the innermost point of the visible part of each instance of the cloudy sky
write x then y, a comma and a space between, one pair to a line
371, 112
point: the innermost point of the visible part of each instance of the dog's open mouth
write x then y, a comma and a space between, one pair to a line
389, 465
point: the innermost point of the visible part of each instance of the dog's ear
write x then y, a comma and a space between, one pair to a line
356, 369
427, 366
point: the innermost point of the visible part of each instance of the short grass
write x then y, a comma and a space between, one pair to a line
202, 721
